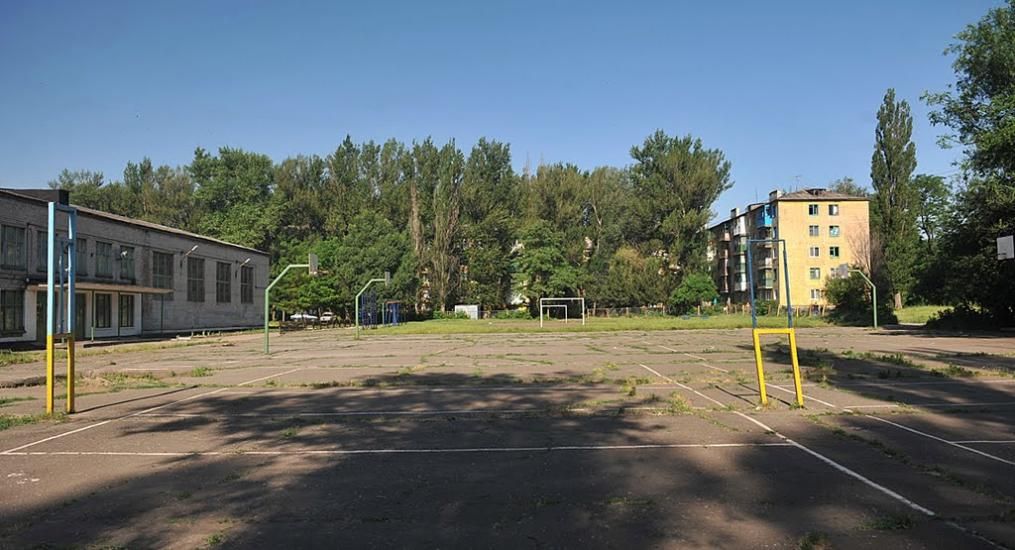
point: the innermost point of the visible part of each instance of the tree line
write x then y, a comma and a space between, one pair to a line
450, 226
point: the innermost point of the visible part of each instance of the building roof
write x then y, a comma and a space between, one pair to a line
135, 222
819, 194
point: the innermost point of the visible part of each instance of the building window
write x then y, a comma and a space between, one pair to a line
12, 247
195, 279
103, 310
815, 252
12, 312
247, 285
162, 271
833, 251
81, 262
126, 310
815, 273
223, 283
813, 231
833, 230
812, 209
41, 250
833, 209
815, 294
103, 259
127, 263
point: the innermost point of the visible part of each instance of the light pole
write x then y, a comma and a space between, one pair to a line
311, 266
874, 293
386, 280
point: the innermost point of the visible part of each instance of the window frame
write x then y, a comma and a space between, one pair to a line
813, 209
81, 250
121, 301
246, 284
223, 287
834, 230
834, 252
5, 247
104, 259
814, 252
164, 280
107, 319
833, 209
128, 266
815, 273
12, 302
195, 280
814, 230
42, 250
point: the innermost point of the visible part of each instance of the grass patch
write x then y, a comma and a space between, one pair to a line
8, 421
956, 371
918, 315
118, 381
8, 357
199, 372
814, 541
8, 400
891, 522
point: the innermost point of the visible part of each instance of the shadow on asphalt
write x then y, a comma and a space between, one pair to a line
748, 496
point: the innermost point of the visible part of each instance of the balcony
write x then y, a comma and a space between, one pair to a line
740, 226
725, 237
740, 286
765, 216
766, 282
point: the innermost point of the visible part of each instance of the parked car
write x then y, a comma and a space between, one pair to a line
328, 317
305, 317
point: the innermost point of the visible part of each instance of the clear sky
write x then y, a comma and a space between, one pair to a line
789, 90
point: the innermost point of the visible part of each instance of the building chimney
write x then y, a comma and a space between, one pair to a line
734, 212
774, 194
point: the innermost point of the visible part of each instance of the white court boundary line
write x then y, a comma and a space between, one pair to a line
678, 384
704, 362
943, 440
139, 413
312, 452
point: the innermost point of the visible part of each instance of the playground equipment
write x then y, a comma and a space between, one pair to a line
60, 321
547, 304
311, 266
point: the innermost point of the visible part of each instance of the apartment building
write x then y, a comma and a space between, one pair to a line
133, 277
822, 230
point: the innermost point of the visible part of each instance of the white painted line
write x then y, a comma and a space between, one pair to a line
806, 398
684, 386
270, 376
704, 362
987, 441
935, 405
852, 473
307, 452
942, 440
139, 413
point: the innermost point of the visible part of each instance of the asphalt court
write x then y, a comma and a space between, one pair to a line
540, 439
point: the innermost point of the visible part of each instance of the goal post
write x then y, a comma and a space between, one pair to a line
547, 304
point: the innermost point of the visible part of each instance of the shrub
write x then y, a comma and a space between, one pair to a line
446, 315
963, 317
513, 314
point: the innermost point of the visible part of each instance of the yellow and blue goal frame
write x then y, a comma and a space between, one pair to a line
757, 333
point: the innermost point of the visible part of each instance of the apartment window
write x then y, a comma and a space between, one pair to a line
815, 294
833, 209
126, 310
12, 247
833, 230
812, 209
246, 285
162, 270
103, 310
815, 273
223, 283
12, 312
833, 251
82, 260
127, 263
195, 279
815, 252
103, 259
813, 231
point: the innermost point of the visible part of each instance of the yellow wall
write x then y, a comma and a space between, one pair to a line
793, 223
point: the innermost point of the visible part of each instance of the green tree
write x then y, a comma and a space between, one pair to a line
847, 186
541, 266
675, 183
489, 198
233, 191
694, 289
979, 112
892, 166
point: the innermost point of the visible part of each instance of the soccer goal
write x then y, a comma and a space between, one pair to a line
549, 304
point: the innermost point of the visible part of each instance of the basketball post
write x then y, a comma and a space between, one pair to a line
757, 333
62, 329
387, 282
311, 266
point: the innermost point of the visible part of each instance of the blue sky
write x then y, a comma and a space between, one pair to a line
789, 90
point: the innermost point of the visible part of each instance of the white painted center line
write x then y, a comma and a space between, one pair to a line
704, 362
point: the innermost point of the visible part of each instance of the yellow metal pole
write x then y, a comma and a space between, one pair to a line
70, 373
796, 368
761, 369
49, 374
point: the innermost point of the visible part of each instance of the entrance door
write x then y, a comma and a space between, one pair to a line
80, 320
